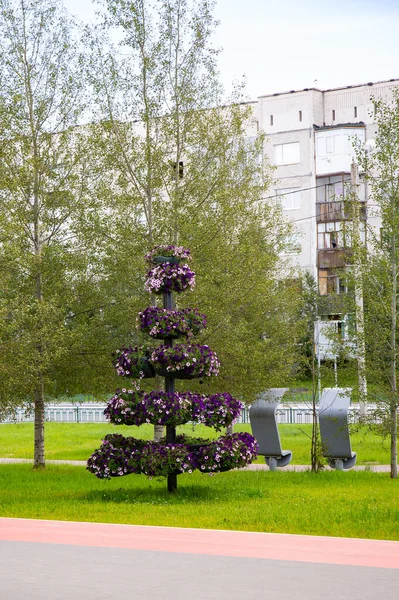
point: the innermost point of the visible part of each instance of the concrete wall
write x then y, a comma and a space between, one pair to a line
293, 115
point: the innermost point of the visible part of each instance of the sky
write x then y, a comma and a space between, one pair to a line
283, 45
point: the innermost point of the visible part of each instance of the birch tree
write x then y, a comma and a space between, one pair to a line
191, 171
381, 267
48, 218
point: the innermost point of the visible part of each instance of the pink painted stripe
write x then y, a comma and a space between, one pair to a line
274, 546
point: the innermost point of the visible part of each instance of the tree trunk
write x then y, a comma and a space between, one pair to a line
39, 462
315, 446
394, 439
394, 398
158, 432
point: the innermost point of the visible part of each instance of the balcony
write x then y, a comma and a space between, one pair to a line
334, 258
337, 211
335, 147
334, 304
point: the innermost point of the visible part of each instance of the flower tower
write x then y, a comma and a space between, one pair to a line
174, 454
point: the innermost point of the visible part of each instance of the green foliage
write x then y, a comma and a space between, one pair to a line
51, 327
180, 166
381, 265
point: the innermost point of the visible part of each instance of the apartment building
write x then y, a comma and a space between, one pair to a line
310, 137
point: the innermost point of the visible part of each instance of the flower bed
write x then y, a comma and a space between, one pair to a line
134, 362
161, 323
169, 278
185, 361
177, 252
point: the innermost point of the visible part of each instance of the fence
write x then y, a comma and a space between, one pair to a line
94, 413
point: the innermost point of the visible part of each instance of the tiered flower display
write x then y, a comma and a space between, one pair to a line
174, 454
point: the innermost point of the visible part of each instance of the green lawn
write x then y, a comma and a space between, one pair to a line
76, 441
349, 504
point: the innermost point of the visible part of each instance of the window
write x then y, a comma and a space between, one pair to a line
321, 146
330, 282
290, 198
332, 188
338, 234
355, 112
329, 235
286, 154
271, 120
293, 244
333, 115
300, 115
181, 169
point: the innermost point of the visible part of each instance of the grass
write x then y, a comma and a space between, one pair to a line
77, 441
349, 504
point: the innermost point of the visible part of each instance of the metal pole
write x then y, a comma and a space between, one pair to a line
170, 387
335, 372
360, 341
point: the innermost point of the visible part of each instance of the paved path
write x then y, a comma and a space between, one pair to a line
55, 560
253, 467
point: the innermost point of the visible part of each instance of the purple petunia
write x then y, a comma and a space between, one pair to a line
185, 361
119, 456
161, 323
134, 362
169, 278
178, 252
132, 407
228, 452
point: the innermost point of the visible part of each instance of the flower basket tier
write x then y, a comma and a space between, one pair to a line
129, 407
134, 362
132, 407
161, 460
169, 278
184, 361
172, 254
217, 411
226, 453
161, 323
119, 456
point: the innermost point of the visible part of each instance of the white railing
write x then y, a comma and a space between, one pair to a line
94, 413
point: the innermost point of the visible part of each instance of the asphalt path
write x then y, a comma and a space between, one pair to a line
252, 467
57, 560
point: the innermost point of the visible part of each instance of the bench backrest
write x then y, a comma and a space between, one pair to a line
333, 419
262, 416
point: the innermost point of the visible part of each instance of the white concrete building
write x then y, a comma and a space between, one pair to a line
309, 139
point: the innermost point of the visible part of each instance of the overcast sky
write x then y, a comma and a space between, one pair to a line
282, 45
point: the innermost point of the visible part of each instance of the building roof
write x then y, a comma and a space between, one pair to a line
339, 126
345, 87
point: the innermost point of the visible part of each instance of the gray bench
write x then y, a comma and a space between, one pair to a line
334, 431
262, 416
